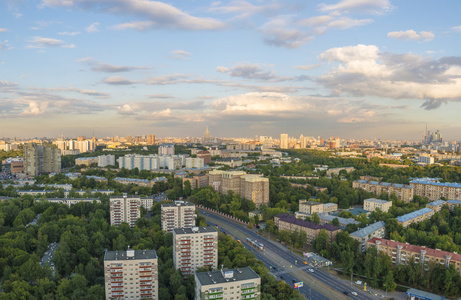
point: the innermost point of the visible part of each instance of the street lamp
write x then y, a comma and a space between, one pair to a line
386, 289
310, 290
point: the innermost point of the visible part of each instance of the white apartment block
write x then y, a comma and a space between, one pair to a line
131, 274
180, 214
147, 203
372, 204
236, 284
151, 162
106, 160
194, 248
124, 209
166, 149
194, 163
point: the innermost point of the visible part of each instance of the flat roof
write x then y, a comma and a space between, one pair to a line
193, 230
430, 182
122, 255
454, 201
178, 203
437, 203
374, 200
423, 295
415, 214
293, 220
364, 232
216, 277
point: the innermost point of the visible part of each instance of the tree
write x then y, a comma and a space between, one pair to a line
315, 218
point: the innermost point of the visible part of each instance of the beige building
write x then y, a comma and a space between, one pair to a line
197, 181
180, 214
401, 253
249, 186
284, 141
240, 283
124, 209
291, 224
372, 204
433, 190
194, 248
131, 274
362, 235
436, 205
86, 161
39, 159
415, 217
310, 207
402, 191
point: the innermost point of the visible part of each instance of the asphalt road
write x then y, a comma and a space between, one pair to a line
317, 285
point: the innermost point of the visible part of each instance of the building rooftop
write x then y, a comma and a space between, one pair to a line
310, 202
374, 200
217, 277
423, 295
437, 203
128, 197
178, 203
344, 221
130, 254
193, 230
292, 220
398, 185
415, 214
329, 204
366, 231
454, 201
431, 182
417, 249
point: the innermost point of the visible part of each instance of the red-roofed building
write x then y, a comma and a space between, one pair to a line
205, 155
291, 223
401, 253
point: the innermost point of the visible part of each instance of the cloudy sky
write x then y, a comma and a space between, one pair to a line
348, 68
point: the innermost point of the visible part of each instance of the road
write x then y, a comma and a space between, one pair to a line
317, 285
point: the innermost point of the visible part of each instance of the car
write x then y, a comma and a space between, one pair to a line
281, 277
346, 293
354, 294
305, 262
311, 270
275, 268
359, 282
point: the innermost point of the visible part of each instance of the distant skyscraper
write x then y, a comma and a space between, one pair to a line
284, 141
150, 139
206, 137
40, 159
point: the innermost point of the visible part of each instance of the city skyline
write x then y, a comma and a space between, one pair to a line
348, 68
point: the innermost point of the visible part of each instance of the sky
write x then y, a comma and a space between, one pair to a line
348, 68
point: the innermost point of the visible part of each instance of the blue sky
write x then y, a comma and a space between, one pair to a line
348, 68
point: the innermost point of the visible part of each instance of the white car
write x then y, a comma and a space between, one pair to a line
354, 294
311, 270
359, 282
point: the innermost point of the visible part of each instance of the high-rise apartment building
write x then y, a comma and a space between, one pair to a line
106, 160
250, 186
194, 163
284, 141
131, 274
40, 159
180, 214
166, 149
150, 139
194, 248
240, 283
124, 209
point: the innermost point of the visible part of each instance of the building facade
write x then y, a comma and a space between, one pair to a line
284, 141
131, 274
106, 160
433, 190
372, 204
291, 224
39, 159
362, 235
415, 217
195, 247
180, 214
166, 149
402, 191
194, 163
310, 207
240, 283
436, 205
401, 253
124, 209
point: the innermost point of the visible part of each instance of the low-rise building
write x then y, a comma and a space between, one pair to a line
436, 205
291, 224
401, 253
415, 217
372, 204
240, 283
231, 162
194, 248
330, 207
362, 235
453, 203
403, 192
87, 161
432, 189
197, 181
69, 201
310, 207
326, 218
131, 274
140, 182
335, 171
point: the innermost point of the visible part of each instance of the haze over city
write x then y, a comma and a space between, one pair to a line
349, 68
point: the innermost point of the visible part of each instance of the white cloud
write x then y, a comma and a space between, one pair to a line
180, 54
93, 27
118, 80
456, 28
41, 42
35, 108
316, 21
411, 35
157, 14
3, 29
248, 71
69, 33
307, 67
346, 23
361, 6
279, 32
363, 70
108, 68
243, 9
